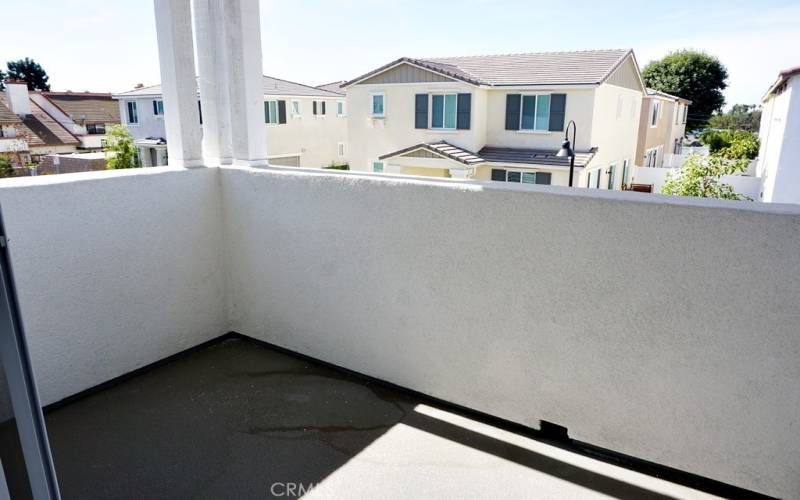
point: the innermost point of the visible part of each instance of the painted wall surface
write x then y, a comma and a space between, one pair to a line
114, 270
638, 336
378, 136
315, 138
779, 158
650, 136
615, 122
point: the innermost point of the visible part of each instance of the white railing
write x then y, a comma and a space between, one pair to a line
513, 300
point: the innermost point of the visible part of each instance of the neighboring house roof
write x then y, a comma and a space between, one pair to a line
41, 129
86, 107
533, 156
783, 77
543, 68
443, 149
664, 95
491, 154
272, 87
333, 87
6, 115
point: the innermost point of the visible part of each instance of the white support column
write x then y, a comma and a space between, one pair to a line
242, 28
212, 80
179, 88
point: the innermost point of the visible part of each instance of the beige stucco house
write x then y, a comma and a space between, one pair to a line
499, 117
662, 125
304, 126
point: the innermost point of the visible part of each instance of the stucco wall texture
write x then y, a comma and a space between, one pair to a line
659, 327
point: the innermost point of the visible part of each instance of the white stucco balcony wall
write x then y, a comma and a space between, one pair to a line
644, 324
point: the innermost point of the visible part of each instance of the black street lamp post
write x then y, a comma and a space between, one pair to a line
566, 149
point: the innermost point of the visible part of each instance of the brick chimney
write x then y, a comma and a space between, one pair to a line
17, 96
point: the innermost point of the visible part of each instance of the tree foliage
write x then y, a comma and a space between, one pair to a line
700, 176
731, 144
29, 70
6, 169
740, 117
2, 80
693, 75
119, 148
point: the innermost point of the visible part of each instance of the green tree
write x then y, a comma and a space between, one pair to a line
29, 70
2, 79
693, 75
731, 144
6, 169
700, 176
119, 148
740, 117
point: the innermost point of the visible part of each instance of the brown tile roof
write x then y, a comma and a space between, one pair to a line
658, 93
47, 129
6, 115
543, 68
86, 107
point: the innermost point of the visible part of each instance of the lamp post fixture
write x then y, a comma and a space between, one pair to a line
566, 149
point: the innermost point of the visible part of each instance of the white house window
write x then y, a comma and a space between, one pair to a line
295, 107
655, 113
378, 105
340, 149
625, 172
158, 107
133, 113
340, 110
535, 112
318, 108
502, 175
612, 170
685, 113
271, 112
443, 111
377, 166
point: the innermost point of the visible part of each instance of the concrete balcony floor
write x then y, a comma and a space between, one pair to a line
237, 419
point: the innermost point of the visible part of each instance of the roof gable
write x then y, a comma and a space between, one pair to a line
405, 72
626, 74
589, 67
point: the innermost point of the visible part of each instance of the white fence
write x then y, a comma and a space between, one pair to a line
748, 186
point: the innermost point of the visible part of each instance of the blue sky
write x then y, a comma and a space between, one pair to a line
111, 46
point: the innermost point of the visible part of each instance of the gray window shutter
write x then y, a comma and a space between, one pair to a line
200, 111
323, 108
543, 177
266, 111
314, 107
558, 106
281, 111
155, 107
513, 104
464, 108
498, 175
421, 111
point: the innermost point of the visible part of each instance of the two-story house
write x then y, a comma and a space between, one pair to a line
86, 115
662, 125
500, 117
304, 126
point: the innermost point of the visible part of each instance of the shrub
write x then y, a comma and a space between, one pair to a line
6, 169
700, 176
731, 144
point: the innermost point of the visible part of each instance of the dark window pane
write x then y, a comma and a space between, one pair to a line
514, 176
498, 175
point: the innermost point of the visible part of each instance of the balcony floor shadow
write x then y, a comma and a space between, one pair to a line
240, 420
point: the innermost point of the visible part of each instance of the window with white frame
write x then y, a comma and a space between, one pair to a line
685, 113
296, 109
271, 112
625, 172
340, 108
444, 109
340, 149
535, 113
318, 109
133, 113
502, 175
378, 105
655, 113
612, 171
377, 166
158, 107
